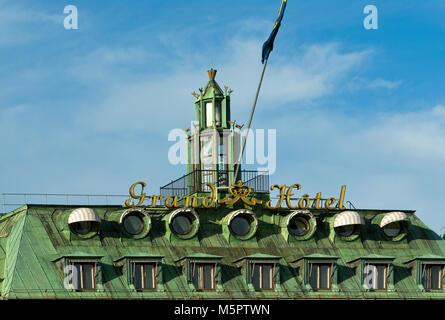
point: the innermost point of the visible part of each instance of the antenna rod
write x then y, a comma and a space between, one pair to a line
238, 164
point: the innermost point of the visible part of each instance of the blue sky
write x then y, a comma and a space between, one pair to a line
89, 110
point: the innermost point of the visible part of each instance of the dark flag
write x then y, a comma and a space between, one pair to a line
268, 45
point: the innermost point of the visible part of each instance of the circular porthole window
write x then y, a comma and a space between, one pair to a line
84, 222
347, 225
184, 223
82, 227
242, 224
392, 230
300, 224
345, 231
135, 223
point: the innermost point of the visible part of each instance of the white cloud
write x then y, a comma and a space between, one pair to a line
135, 104
16, 20
394, 161
382, 83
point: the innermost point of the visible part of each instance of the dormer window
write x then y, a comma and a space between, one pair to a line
320, 275
204, 276
83, 275
318, 271
80, 271
261, 271
262, 276
376, 271
203, 271
144, 275
376, 276
143, 271
432, 276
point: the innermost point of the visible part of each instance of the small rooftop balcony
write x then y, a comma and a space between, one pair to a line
196, 181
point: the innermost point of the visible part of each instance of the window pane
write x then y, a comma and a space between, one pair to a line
381, 277
148, 276
266, 276
209, 114
133, 224
208, 276
256, 276
240, 225
298, 226
196, 275
369, 276
82, 227
425, 276
392, 229
88, 277
435, 277
345, 231
137, 276
314, 276
218, 113
181, 224
324, 276
77, 276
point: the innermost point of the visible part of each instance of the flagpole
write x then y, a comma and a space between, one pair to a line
238, 164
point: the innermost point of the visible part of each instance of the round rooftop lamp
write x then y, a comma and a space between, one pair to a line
347, 222
84, 221
184, 222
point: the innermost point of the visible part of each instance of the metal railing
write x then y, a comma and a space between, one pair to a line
196, 181
12, 201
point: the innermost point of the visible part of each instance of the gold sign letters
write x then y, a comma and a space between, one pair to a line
240, 192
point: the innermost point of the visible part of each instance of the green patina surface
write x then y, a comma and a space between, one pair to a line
34, 237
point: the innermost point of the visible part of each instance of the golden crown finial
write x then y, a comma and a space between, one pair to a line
211, 73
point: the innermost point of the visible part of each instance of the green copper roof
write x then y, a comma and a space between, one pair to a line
200, 256
317, 256
373, 257
32, 237
427, 257
258, 256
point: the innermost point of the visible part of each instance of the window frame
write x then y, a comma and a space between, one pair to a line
429, 267
82, 275
137, 215
318, 264
143, 264
376, 274
271, 274
201, 275
184, 215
